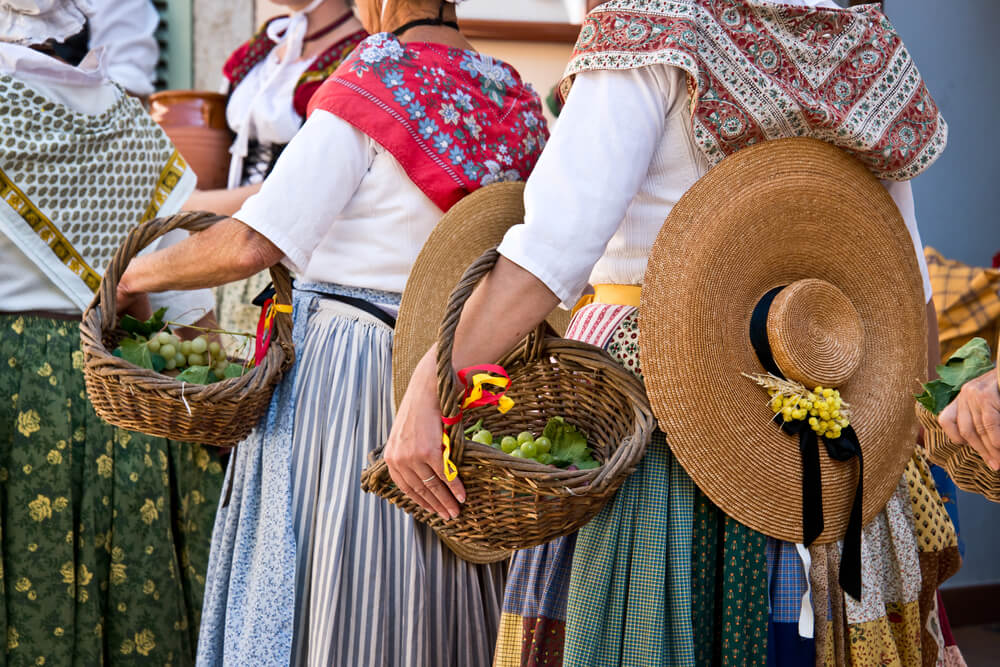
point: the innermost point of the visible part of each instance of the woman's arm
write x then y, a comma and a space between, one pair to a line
220, 202
574, 203
225, 252
313, 180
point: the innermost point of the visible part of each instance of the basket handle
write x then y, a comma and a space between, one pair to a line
144, 234
449, 391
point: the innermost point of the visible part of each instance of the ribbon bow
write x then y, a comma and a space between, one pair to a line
476, 394
265, 327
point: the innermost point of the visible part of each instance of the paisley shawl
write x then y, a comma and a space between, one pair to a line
758, 70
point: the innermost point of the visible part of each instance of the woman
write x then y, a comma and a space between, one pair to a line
105, 532
700, 588
412, 121
270, 80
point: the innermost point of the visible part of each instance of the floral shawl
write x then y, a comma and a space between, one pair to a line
760, 70
247, 56
455, 120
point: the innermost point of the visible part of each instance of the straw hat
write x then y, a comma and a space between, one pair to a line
471, 227
802, 214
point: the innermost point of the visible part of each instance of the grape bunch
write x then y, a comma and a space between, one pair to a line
152, 345
183, 354
560, 445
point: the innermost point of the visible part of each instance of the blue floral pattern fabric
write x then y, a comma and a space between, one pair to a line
455, 120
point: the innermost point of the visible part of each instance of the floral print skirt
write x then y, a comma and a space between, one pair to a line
105, 532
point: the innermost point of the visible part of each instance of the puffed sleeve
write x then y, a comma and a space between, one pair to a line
126, 29
587, 176
313, 180
902, 193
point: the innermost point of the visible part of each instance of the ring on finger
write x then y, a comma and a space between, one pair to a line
429, 479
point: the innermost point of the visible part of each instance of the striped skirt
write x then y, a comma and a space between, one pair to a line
310, 570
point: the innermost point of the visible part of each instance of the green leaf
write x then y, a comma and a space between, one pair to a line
136, 353
159, 363
130, 324
234, 371
969, 362
197, 375
568, 444
150, 326
588, 464
937, 395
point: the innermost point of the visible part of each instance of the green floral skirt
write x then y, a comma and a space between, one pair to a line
105, 532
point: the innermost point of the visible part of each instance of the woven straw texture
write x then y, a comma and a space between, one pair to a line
517, 503
139, 399
765, 217
471, 227
964, 465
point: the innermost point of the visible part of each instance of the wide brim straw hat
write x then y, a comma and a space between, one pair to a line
30, 22
471, 227
803, 215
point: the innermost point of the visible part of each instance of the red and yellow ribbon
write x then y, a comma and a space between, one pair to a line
478, 393
265, 327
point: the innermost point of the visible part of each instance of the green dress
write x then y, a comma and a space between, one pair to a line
105, 532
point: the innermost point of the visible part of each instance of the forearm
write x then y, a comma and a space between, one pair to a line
225, 252
221, 202
504, 308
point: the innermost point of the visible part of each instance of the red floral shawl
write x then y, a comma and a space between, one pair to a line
759, 70
243, 59
455, 120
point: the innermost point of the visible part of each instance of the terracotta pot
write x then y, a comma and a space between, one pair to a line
196, 122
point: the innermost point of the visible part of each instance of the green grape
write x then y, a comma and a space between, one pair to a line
179, 359
545, 458
517, 453
529, 449
220, 369
544, 445
167, 351
154, 344
164, 338
186, 347
525, 436
483, 437
508, 444
141, 338
199, 345
214, 348
171, 364
195, 359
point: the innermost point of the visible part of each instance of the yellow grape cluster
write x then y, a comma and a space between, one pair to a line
822, 406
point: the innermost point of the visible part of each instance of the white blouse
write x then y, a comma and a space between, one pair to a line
620, 157
341, 208
85, 89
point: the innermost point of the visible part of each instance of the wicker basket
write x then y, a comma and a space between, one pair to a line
139, 399
964, 465
518, 503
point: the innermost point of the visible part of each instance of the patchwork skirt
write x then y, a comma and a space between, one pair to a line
105, 532
663, 577
306, 568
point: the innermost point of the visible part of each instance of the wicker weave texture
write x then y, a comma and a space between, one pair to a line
966, 468
139, 399
516, 503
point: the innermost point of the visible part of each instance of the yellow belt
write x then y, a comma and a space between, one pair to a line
621, 295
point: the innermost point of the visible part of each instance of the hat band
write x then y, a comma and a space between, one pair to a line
841, 449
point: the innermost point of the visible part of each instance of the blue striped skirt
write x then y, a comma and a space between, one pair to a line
307, 569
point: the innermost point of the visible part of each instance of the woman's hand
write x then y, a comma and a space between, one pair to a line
413, 452
132, 303
974, 418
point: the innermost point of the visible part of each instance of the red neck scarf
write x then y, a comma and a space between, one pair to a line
455, 120
243, 59
760, 70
